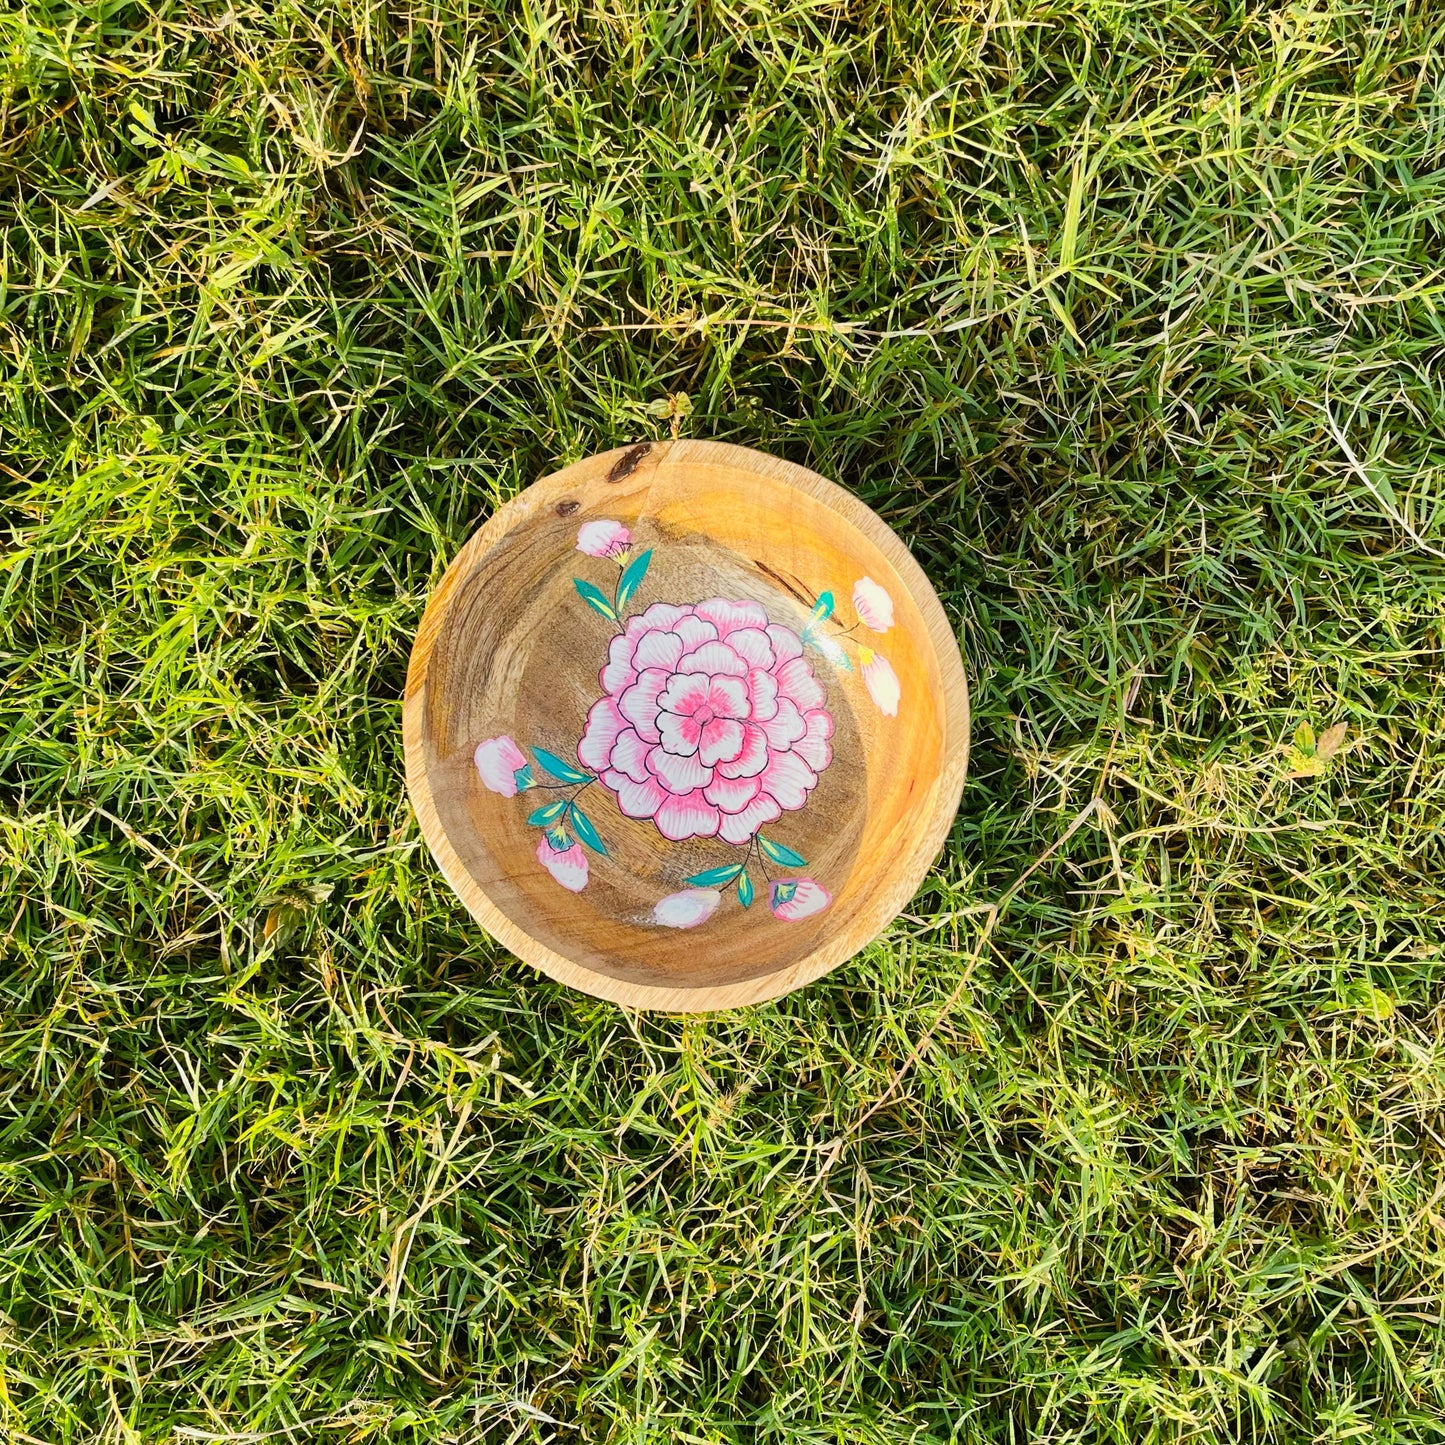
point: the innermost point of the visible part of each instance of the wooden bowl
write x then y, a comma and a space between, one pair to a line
685, 725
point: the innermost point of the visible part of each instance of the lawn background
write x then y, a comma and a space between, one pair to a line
1127, 317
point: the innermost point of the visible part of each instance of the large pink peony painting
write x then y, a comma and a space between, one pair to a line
711, 723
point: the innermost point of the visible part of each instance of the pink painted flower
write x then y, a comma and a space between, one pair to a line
499, 760
881, 681
795, 898
603, 539
712, 722
872, 604
688, 908
567, 865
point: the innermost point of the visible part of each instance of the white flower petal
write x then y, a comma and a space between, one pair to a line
688, 908
872, 604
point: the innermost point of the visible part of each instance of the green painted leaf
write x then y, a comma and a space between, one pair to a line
523, 778
783, 892
549, 813
560, 768
745, 890
595, 598
632, 576
780, 853
714, 877
586, 832
558, 839
823, 607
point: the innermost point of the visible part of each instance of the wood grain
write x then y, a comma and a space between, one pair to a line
507, 647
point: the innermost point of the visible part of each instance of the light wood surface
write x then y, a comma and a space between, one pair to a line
510, 649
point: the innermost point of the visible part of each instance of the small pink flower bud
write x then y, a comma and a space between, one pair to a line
498, 761
603, 539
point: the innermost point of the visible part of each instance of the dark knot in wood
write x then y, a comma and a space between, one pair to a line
627, 463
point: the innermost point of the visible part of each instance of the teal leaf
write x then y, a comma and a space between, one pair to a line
783, 892
523, 778
586, 832
595, 598
823, 607
632, 576
560, 769
714, 877
779, 853
547, 814
745, 890
557, 839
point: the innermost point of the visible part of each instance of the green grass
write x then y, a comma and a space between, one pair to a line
1128, 317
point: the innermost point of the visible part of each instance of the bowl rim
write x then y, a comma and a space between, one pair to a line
954, 707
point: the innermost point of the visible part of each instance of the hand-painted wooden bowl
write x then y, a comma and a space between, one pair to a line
685, 725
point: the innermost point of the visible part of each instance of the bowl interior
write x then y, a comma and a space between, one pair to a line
515, 651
